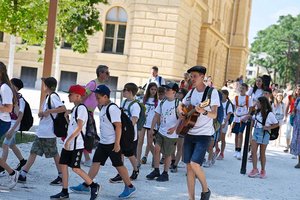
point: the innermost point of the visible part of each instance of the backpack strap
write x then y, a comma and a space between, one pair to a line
159, 80
108, 114
237, 101
176, 106
247, 101
129, 106
190, 96
207, 93
227, 106
76, 115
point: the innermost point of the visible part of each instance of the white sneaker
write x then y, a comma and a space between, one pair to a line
88, 163
235, 154
2, 174
238, 156
207, 164
294, 157
13, 180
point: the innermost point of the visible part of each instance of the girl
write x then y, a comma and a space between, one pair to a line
264, 121
257, 91
7, 100
150, 100
278, 108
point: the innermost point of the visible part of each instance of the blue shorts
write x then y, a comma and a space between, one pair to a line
260, 137
10, 141
4, 127
239, 127
195, 147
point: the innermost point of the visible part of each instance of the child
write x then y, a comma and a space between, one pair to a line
264, 121
45, 141
243, 106
16, 116
150, 101
132, 109
166, 138
161, 93
278, 108
228, 110
74, 144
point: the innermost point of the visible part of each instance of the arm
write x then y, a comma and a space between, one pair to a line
6, 108
118, 129
211, 114
134, 120
154, 121
59, 109
287, 108
76, 132
13, 129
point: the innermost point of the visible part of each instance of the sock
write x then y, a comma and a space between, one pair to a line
156, 169
92, 184
59, 174
86, 185
65, 190
130, 186
236, 149
172, 162
23, 161
13, 173
239, 149
23, 173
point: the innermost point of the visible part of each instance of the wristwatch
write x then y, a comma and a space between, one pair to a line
205, 113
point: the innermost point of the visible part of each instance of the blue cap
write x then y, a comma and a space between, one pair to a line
102, 89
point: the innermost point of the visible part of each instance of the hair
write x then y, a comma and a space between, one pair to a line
225, 92
102, 95
101, 69
255, 86
4, 79
245, 85
147, 95
132, 87
161, 90
265, 107
155, 68
275, 99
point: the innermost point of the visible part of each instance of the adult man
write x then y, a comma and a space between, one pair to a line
198, 137
155, 78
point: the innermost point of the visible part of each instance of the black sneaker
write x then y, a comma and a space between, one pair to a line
163, 177
95, 191
174, 169
20, 165
134, 174
116, 179
57, 181
153, 175
205, 195
59, 196
2, 172
22, 179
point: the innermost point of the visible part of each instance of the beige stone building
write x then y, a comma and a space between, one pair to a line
138, 34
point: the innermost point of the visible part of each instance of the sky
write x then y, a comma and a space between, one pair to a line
267, 12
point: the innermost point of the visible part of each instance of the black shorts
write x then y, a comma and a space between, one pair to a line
71, 158
104, 151
131, 152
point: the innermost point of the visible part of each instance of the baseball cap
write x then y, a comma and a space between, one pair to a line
200, 69
77, 89
172, 85
102, 89
50, 82
17, 82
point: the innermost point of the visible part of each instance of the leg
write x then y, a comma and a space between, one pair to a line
236, 140
4, 151
240, 140
197, 169
65, 175
29, 162
263, 148
140, 145
17, 151
223, 143
167, 163
122, 170
150, 145
94, 169
210, 150
86, 155
133, 162
156, 156
254, 147
190, 181
5, 166
83, 175
56, 160
179, 150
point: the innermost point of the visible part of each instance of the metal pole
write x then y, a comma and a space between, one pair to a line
48, 56
245, 150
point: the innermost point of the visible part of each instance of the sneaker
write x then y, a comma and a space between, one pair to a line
95, 191
263, 174
297, 166
82, 189
20, 165
139, 165
2, 173
87, 163
116, 179
234, 154
238, 156
174, 169
163, 177
207, 164
205, 195
13, 180
21, 179
153, 175
134, 174
286, 150
254, 173
127, 192
57, 181
216, 153
220, 157
59, 196
250, 158
144, 160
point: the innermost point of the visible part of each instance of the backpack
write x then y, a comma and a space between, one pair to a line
142, 116
60, 123
90, 133
127, 133
27, 120
176, 105
237, 101
231, 115
274, 132
159, 80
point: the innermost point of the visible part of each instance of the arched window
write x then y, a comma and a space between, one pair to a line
115, 30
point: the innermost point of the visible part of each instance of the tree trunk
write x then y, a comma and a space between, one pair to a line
11, 57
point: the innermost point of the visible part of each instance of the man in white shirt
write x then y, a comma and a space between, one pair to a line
155, 78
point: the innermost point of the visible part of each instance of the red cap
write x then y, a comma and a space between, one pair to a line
77, 89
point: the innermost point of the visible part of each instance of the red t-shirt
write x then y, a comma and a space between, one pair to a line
292, 103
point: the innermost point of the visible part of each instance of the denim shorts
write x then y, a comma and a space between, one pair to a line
10, 141
195, 147
4, 127
239, 127
260, 137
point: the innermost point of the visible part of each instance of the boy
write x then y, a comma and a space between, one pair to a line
132, 110
109, 145
166, 138
74, 145
243, 106
45, 141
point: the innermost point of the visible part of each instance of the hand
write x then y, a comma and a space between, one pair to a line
40, 114
67, 145
171, 130
267, 128
116, 148
46, 113
200, 109
9, 134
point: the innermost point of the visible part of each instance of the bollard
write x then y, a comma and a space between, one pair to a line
246, 148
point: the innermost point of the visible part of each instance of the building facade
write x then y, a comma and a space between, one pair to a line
138, 34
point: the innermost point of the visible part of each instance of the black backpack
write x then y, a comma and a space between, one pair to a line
27, 120
91, 132
229, 103
274, 132
60, 123
127, 136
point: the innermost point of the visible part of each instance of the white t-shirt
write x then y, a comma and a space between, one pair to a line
156, 80
167, 111
134, 111
45, 128
107, 131
279, 111
6, 97
271, 119
150, 112
229, 110
241, 108
254, 96
204, 124
82, 114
